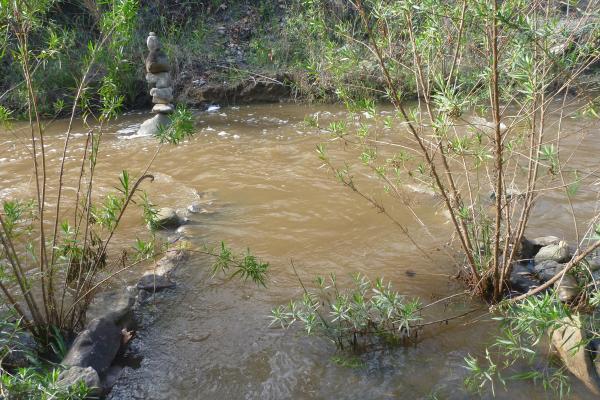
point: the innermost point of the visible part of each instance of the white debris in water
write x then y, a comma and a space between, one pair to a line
236, 136
223, 133
128, 130
209, 129
223, 115
213, 108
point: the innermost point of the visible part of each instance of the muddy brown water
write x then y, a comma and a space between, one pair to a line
255, 170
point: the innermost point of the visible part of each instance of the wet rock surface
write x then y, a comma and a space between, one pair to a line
71, 376
96, 346
167, 218
566, 340
559, 252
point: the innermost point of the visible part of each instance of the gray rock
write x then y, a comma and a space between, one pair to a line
21, 345
595, 353
593, 263
545, 241
152, 42
96, 346
161, 80
567, 289
162, 92
557, 252
114, 305
87, 375
162, 100
547, 269
154, 282
157, 61
150, 127
195, 207
163, 108
167, 218
596, 277
567, 340
521, 279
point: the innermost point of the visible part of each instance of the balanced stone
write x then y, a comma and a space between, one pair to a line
160, 80
157, 75
162, 92
163, 108
152, 42
157, 61
160, 100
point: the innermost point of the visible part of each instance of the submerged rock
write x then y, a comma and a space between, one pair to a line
567, 288
87, 375
96, 346
577, 358
167, 218
556, 252
150, 127
154, 282
521, 278
547, 269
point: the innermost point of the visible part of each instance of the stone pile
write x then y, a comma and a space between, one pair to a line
158, 76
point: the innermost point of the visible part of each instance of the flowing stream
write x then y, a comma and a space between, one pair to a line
256, 172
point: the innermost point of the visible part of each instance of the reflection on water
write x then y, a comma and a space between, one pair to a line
210, 339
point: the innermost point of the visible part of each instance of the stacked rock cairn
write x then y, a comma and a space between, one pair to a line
159, 78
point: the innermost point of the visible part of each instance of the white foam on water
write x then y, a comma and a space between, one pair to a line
213, 108
223, 133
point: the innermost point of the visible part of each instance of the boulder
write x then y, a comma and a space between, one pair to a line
96, 346
114, 305
163, 108
557, 252
593, 263
567, 288
568, 340
547, 269
157, 61
150, 127
545, 241
87, 375
167, 218
154, 282
521, 279
161, 80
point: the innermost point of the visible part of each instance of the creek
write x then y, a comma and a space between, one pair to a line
256, 172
